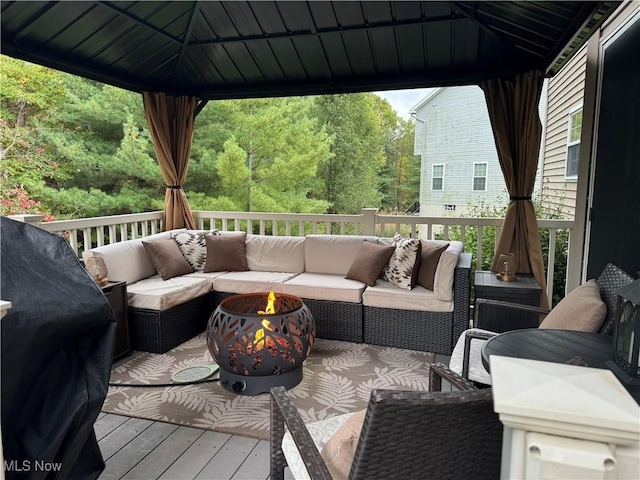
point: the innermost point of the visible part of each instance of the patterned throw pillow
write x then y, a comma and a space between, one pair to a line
401, 267
193, 246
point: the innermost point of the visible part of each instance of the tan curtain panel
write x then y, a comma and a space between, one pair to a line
171, 121
513, 110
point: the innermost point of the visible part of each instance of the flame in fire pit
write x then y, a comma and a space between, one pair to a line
270, 309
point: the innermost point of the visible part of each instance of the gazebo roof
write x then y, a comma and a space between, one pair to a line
236, 49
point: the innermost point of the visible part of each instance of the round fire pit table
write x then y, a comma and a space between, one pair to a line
260, 340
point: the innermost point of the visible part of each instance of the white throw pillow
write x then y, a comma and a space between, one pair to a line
401, 267
193, 246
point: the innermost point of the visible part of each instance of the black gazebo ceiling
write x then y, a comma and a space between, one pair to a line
235, 49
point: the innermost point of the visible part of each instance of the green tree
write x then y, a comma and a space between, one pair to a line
100, 138
400, 177
28, 95
270, 159
350, 175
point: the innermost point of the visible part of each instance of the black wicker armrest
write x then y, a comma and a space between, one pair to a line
468, 336
439, 371
482, 304
283, 411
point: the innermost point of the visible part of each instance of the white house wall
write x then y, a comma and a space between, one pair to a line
453, 128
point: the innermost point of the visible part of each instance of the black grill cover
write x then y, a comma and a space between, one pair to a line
57, 345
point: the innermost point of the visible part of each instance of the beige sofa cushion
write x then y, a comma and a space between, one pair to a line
157, 294
266, 253
332, 253
386, 295
582, 310
443, 279
127, 261
250, 282
324, 286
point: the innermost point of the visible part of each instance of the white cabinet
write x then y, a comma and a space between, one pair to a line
564, 421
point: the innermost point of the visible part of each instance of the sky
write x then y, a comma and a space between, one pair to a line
403, 100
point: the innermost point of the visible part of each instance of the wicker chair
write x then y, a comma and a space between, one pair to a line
610, 280
406, 434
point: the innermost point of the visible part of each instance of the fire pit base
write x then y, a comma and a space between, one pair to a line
255, 385
260, 340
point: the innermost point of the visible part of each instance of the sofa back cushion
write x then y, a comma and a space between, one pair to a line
267, 253
445, 272
332, 253
127, 261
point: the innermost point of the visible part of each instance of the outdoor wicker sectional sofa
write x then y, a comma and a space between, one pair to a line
164, 313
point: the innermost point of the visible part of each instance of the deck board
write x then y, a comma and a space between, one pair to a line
256, 465
122, 436
107, 424
228, 459
136, 450
165, 454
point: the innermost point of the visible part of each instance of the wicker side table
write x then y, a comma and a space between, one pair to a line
116, 293
524, 290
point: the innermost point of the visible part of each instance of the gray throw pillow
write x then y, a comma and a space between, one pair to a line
167, 258
429, 257
226, 253
368, 264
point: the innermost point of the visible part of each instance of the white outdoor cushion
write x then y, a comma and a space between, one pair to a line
266, 253
387, 295
324, 286
320, 433
250, 282
332, 253
477, 372
127, 261
443, 279
209, 275
157, 294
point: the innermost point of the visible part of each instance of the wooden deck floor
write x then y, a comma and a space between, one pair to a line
134, 448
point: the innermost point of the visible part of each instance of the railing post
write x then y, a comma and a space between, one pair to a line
27, 218
574, 262
369, 220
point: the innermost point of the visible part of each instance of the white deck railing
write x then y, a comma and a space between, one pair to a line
87, 233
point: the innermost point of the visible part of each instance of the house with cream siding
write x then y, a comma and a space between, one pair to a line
459, 161
562, 141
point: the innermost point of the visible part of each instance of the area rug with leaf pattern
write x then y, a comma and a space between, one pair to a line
338, 378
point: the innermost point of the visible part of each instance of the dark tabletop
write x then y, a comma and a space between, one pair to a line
547, 345
558, 346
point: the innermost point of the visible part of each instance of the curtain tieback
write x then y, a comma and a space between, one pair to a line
174, 187
515, 199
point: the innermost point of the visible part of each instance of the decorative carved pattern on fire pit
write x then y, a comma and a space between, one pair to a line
260, 335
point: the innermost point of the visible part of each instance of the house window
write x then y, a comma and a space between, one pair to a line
573, 143
450, 208
479, 177
437, 177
